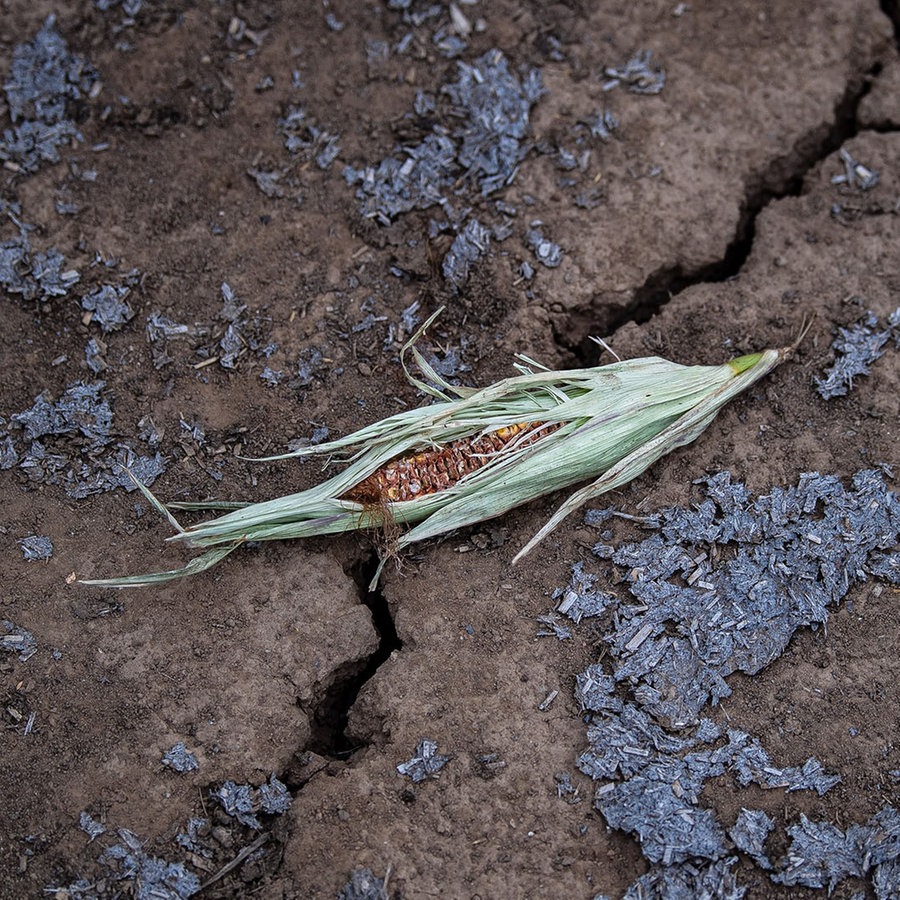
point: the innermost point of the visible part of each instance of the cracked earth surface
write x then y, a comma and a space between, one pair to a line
712, 231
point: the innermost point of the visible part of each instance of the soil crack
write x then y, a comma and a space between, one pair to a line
328, 736
782, 177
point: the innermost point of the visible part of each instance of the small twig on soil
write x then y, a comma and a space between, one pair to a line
236, 861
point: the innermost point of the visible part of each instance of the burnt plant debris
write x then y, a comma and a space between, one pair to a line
492, 106
69, 442
364, 884
717, 588
127, 868
328, 723
180, 759
425, 763
45, 81
856, 348
244, 803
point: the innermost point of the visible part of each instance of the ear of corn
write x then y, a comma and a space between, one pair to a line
525, 436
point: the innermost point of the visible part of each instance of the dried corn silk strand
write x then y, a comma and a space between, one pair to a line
436, 470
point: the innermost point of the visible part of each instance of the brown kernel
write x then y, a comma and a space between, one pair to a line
431, 471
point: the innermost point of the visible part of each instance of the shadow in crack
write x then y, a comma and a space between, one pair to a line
329, 720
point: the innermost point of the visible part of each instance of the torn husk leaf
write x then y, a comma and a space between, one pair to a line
475, 454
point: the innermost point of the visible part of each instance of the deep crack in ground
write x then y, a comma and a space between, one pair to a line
328, 735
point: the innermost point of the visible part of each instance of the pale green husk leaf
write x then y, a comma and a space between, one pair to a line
615, 421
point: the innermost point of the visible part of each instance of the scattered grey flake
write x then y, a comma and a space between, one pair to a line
271, 376
231, 345
269, 181
496, 106
449, 45
553, 627
363, 885
111, 472
425, 764
547, 253
752, 764
192, 837
108, 307
154, 878
161, 329
333, 23
470, 244
180, 759
602, 125
232, 308
659, 806
14, 639
450, 365
242, 801
565, 159
688, 881
129, 7
8, 455
565, 790
36, 276
274, 797
821, 854
661, 776
886, 880
493, 108
594, 690
94, 353
855, 174
370, 320
580, 599
302, 137
90, 826
424, 104
637, 74
79, 409
238, 802
749, 834
856, 348
526, 270
310, 361
398, 186
44, 77
885, 566
36, 546
28, 144
696, 623
627, 741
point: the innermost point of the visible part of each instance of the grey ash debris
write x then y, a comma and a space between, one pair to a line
44, 81
244, 802
790, 555
856, 348
69, 442
713, 589
490, 108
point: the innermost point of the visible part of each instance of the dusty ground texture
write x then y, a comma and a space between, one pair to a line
708, 224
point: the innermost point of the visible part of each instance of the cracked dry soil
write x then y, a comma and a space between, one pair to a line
713, 228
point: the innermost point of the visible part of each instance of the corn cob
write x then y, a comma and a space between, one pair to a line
436, 470
477, 453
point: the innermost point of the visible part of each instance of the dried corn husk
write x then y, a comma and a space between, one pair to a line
607, 423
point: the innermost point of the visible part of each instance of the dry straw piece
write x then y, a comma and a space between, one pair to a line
477, 453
